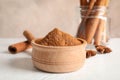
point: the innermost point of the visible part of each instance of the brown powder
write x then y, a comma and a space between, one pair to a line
59, 38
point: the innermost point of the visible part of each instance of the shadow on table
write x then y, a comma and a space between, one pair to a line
23, 64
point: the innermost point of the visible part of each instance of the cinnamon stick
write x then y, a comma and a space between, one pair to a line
92, 23
84, 6
100, 3
83, 2
101, 30
81, 28
19, 47
29, 36
22, 46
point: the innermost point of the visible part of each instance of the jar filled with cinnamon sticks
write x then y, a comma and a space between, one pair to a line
94, 25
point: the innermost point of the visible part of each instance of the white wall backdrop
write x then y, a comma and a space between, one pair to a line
41, 16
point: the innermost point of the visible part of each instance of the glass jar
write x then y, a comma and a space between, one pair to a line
94, 28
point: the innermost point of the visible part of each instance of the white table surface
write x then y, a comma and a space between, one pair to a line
20, 67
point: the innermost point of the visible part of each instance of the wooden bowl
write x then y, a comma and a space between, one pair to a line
58, 58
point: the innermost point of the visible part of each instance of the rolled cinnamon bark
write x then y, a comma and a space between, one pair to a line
91, 26
92, 23
100, 34
29, 36
22, 46
81, 29
19, 47
83, 2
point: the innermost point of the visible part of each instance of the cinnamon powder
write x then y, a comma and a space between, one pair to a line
59, 38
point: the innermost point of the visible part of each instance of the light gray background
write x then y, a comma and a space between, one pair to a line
41, 16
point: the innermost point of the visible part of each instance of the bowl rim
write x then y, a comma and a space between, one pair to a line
84, 42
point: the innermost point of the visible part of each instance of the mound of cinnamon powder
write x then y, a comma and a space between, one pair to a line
59, 38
